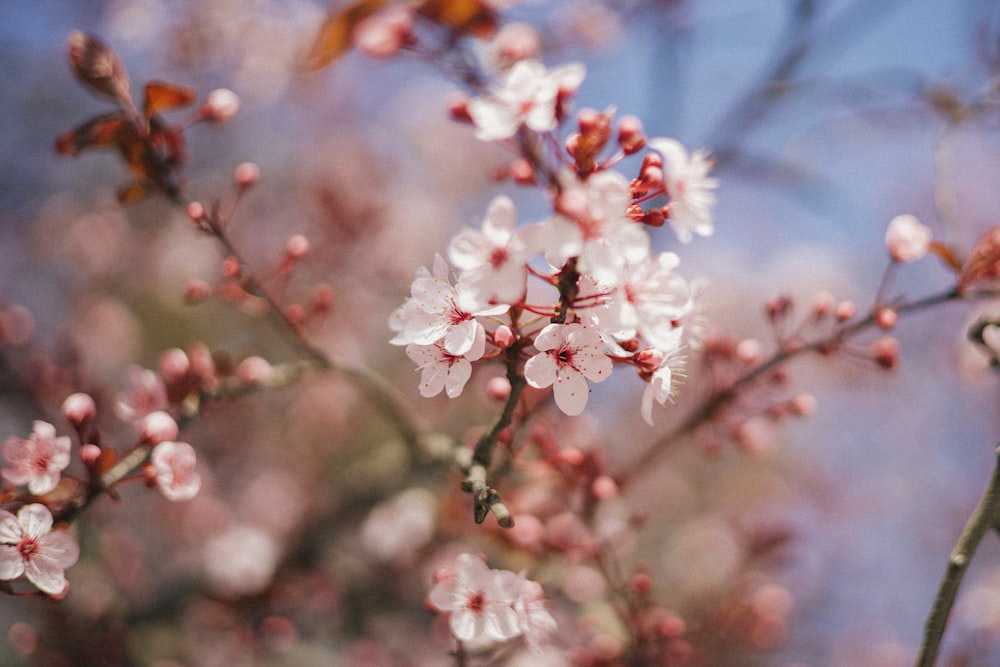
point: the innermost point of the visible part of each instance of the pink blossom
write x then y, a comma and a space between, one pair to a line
689, 186
569, 355
479, 600
220, 105
37, 461
492, 259
442, 370
146, 394
527, 95
384, 33
438, 310
533, 617
662, 385
174, 466
907, 238
593, 227
650, 299
29, 546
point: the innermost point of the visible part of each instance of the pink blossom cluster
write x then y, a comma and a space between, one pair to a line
603, 296
487, 606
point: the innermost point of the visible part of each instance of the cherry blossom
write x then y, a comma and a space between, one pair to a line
689, 186
593, 227
651, 299
533, 616
146, 394
442, 370
493, 259
438, 310
29, 547
527, 95
662, 385
174, 469
37, 461
569, 355
907, 238
479, 600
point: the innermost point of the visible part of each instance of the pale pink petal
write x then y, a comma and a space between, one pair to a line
540, 370
11, 563
35, 520
571, 392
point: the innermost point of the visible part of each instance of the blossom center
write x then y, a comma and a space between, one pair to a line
456, 315
564, 356
28, 548
476, 602
498, 257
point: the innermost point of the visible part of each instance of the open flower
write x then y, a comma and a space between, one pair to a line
37, 461
492, 259
527, 95
690, 188
174, 469
569, 355
438, 310
480, 600
29, 546
442, 370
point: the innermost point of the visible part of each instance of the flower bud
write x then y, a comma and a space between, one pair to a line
220, 105
503, 337
246, 175
196, 211
158, 427
886, 318
297, 246
630, 136
885, 351
79, 409
89, 454
254, 369
604, 488
907, 238
174, 365
498, 388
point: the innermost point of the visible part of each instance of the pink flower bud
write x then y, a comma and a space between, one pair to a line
503, 337
220, 105
604, 488
254, 369
630, 136
803, 405
196, 290
748, 351
846, 310
907, 238
297, 246
458, 108
641, 583
648, 359
158, 427
196, 211
885, 351
174, 365
498, 388
89, 454
79, 409
246, 175
522, 172
383, 34
886, 318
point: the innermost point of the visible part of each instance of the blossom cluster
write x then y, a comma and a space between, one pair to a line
603, 297
487, 606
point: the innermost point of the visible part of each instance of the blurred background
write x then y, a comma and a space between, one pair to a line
827, 119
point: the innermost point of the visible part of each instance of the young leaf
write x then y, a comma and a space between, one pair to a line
106, 130
474, 17
983, 263
162, 96
97, 66
334, 38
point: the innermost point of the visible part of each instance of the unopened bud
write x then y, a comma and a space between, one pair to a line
295, 314
803, 405
90, 454
253, 370
846, 310
196, 290
498, 388
604, 488
158, 427
907, 239
503, 337
220, 105
748, 351
297, 246
886, 318
458, 108
641, 583
79, 409
174, 365
246, 175
630, 136
886, 352
648, 359
196, 211
522, 172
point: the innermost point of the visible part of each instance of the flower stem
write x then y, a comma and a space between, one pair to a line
983, 519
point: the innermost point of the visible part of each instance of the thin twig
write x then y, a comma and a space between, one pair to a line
983, 519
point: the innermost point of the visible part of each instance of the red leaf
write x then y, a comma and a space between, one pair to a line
983, 263
334, 38
474, 17
97, 66
106, 130
162, 96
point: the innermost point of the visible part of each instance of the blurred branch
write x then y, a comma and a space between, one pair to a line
984, 518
